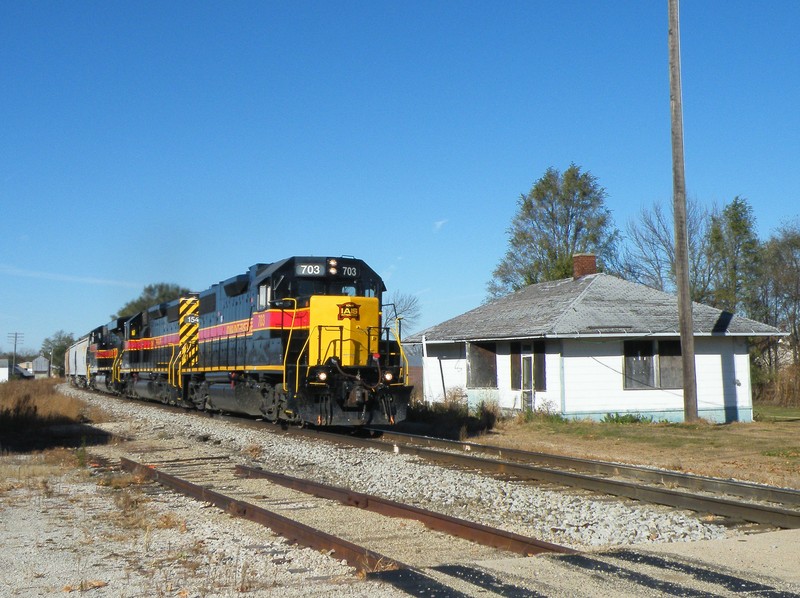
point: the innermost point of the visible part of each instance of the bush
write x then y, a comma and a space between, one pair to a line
626, 418
452, 417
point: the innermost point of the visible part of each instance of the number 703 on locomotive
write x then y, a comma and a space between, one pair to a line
301, 340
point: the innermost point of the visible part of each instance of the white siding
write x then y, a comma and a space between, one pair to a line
444, 370
585, 379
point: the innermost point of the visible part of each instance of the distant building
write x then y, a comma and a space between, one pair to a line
589, 346
41, 367
4, 366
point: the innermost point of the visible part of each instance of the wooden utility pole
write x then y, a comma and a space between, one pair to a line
679, 210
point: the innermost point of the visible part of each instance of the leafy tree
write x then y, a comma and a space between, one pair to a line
733, 255
57, 345
563, 214
405, 307
650, 253
153, 294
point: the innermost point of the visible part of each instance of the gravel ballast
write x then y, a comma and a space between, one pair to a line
560, 517
203, 552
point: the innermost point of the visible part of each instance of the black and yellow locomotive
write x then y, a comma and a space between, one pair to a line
299, 340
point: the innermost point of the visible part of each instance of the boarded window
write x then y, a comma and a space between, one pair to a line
516, 367
670, 365
639, 365
481, 365
651, 364
539, 373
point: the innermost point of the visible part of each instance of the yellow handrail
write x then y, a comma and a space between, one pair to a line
288, 340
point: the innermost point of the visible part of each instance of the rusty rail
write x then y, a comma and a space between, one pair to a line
757, 513
651, 475
359, 557
460, 528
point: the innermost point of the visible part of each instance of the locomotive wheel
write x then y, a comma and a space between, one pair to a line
273, 402
270, 402
198, 395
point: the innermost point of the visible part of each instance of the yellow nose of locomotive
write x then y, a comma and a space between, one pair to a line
343, 327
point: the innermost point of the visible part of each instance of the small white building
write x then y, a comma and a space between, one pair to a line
589, 346
4, 370
41, 367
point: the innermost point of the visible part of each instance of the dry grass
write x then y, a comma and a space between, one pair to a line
765, 452
26, 405
254, 451
34, 471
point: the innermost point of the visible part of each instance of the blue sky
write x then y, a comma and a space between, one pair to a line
182, 142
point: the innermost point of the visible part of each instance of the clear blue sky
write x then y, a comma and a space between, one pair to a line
181, 142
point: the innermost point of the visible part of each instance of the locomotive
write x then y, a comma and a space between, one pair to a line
301, 340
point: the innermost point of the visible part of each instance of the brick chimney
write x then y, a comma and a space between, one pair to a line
583, 264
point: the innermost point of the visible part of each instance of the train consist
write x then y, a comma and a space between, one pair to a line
301, 340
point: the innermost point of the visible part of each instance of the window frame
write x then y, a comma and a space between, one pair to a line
658, 356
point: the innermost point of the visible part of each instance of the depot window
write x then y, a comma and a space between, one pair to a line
481, 365
652, 364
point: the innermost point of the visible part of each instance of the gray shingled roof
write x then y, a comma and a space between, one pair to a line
594, 305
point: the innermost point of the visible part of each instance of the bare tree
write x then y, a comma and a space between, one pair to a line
404, 307
650, 252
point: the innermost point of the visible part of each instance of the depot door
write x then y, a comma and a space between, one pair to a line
527, 382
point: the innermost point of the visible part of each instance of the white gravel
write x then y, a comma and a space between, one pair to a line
64, 535
558, 517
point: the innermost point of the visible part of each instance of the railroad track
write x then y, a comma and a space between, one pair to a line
764, 505
471, 571
628, 572
737, 501
286, 512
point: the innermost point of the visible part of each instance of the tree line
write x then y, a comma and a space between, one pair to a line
730, 268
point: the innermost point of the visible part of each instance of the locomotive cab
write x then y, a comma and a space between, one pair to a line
341, 365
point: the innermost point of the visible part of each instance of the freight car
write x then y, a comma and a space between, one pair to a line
300, 340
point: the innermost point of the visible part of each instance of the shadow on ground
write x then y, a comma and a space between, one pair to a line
55, 436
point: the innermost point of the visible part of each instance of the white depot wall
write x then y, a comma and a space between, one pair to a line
723, 373
444, 371
592, 377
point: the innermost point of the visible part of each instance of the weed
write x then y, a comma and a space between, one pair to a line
787, 453
488, 412
254, 451
80, 454
626, 418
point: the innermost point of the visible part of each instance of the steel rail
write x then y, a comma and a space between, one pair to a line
757, 513
359, 557
749, 490
454, 526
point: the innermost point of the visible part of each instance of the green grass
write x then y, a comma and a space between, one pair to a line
775, 413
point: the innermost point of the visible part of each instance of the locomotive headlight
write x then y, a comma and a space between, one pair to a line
388, 376
332, 269
322, 376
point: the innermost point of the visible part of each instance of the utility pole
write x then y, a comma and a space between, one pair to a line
14, 337
679, 209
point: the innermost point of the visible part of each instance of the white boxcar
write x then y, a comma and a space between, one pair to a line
75, 362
